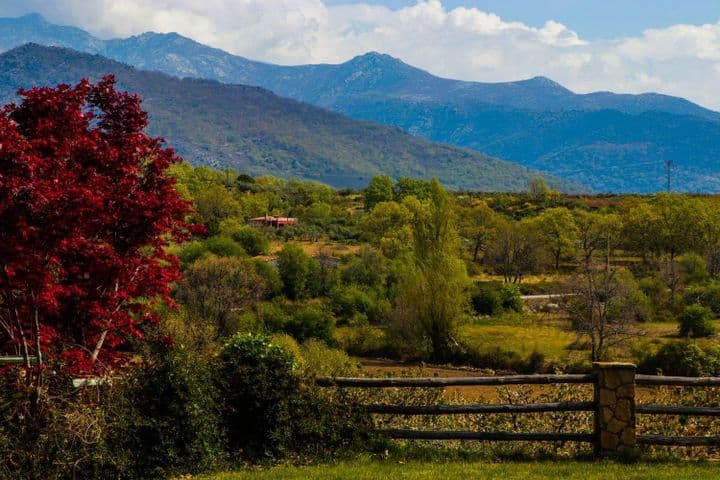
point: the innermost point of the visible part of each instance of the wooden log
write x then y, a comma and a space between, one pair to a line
669, 440
452, 381
677, 381
471, 409
678, 410
17, 360
487, 436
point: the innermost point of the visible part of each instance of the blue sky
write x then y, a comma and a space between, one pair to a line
627, 46
592, 19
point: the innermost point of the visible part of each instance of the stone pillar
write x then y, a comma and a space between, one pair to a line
615, 404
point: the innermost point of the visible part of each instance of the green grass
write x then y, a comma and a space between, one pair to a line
519, 333
568, 470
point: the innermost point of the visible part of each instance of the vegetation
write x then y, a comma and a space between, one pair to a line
256, 131
367, 469
216, 368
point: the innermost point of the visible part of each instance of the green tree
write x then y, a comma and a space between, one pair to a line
513, 250
538, 188
695, 321
295, 267
680, 225
213, 204
596, 232
217, 291
557, 231
432, 296
477, 224
380, 189
412, 187
603, 305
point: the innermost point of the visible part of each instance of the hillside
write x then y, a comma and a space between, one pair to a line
253, 130
610, 142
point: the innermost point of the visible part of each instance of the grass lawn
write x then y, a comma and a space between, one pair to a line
567, 470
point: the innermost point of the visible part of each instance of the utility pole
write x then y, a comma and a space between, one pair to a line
669, 168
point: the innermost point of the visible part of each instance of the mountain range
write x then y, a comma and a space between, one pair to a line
608, 141
255, 131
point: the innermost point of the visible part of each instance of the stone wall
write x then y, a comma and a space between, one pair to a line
615, 403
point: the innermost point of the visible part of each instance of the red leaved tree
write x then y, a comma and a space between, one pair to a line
86, 209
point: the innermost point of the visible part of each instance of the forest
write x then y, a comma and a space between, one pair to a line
626, 277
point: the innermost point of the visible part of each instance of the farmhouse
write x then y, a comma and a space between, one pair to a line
271, 221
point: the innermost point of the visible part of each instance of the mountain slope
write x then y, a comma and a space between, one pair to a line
253, 130
622, 145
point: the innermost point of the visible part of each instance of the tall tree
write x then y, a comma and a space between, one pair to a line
557, 231
432, 296
86, 211
603, 306
513, 250
380, 189
477, 225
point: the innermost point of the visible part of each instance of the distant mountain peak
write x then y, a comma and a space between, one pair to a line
376, 59
546, 84
33, 17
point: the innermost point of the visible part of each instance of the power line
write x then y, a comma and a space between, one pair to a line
669, 168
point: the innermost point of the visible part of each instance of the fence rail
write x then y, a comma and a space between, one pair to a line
483, 408
441, 382
613, 405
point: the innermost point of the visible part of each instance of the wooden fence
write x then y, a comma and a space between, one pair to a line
613, 405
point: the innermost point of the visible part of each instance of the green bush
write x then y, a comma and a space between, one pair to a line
695, 321
220, 246
303, 322
165, 418
312, 321
272, 278
679, 358
350, 299
269, 414
252, 240
707, 295
295, 267
693, 267
224, 247
511, 298
486, 300
260, 384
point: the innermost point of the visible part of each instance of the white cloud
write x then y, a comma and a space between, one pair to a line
462, 42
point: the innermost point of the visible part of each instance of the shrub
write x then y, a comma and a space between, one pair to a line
510, 297
695, 322
267, 412
678, 358
165, 418
294, 266
224, 247
271, 276
350, 299
486, 300
497, 358
312, 322
259, 384
693, 267
707, 295
305, 322
252, 240
220, 246
191, 251
320, 360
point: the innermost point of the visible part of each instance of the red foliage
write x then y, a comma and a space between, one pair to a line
86, 209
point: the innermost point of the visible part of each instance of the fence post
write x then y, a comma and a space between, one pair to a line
614, 408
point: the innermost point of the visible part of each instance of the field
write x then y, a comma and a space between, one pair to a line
366, 469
